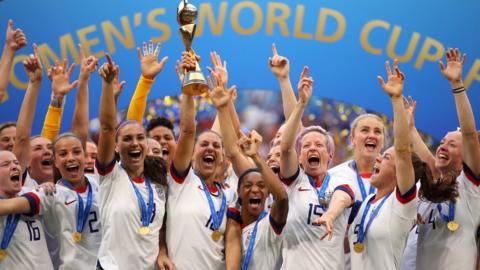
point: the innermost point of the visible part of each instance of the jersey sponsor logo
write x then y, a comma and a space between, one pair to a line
70, 202
303, 189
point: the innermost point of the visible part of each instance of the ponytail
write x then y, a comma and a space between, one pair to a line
438, 190
155, 169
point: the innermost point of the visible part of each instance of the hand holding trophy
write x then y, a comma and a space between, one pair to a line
194, 82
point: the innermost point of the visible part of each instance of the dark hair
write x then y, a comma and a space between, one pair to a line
436, 191
155, 169
160, 122
56, 173
7, 125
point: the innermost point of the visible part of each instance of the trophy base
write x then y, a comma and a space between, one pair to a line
194, 83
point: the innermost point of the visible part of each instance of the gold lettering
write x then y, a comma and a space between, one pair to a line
473, 74
88, 43
425, 55
371, 25
297, 32
206, 13
257, 17
151, 20
322, 22
109, 30
67, 44
410, 49
280, 19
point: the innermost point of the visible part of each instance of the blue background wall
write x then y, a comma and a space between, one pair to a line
343, 64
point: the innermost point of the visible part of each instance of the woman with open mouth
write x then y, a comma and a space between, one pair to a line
133, 193
23, 243
261, 229
314, 198
384, 219
367, 135
197, 204
447, 226
71, 214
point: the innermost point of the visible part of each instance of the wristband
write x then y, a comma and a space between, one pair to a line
57, 101
458, 90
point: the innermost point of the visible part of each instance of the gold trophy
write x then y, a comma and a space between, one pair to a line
194, 82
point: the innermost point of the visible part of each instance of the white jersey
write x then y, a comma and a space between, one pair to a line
302, 247
345, 171
409, 258
60, 218
27, 248
189, 224
123, 247
439, 248
387, 235
267, 246
28, 181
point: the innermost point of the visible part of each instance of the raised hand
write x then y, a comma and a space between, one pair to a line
219, 68
394, 86
218, 94
60, 77
33, 66
108, 71
410, 107
251, 144
88, 65
305, 86
453, 71
279, 65
15, 39
149, 60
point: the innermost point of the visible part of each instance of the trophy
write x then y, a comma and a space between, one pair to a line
194, 82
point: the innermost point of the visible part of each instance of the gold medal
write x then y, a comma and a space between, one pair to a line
3, 254
358, 247
216, 235
77, 237
452, 225
144, 230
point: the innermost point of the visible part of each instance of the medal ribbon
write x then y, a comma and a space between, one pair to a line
363, 233
451, 212
360, 183
82, 213
146, 212
10, 227
323, 188
248, 255
217, 218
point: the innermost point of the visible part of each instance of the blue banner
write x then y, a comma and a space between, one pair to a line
345, 44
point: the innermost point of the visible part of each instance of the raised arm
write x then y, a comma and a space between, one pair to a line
60, 77
81, 113
108, 113
280, 67
250, 146
453, 73
17, 205
150, 68
14, 41
419, 145
34, 70
222, 99
289, 158
186, 139
403, 155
